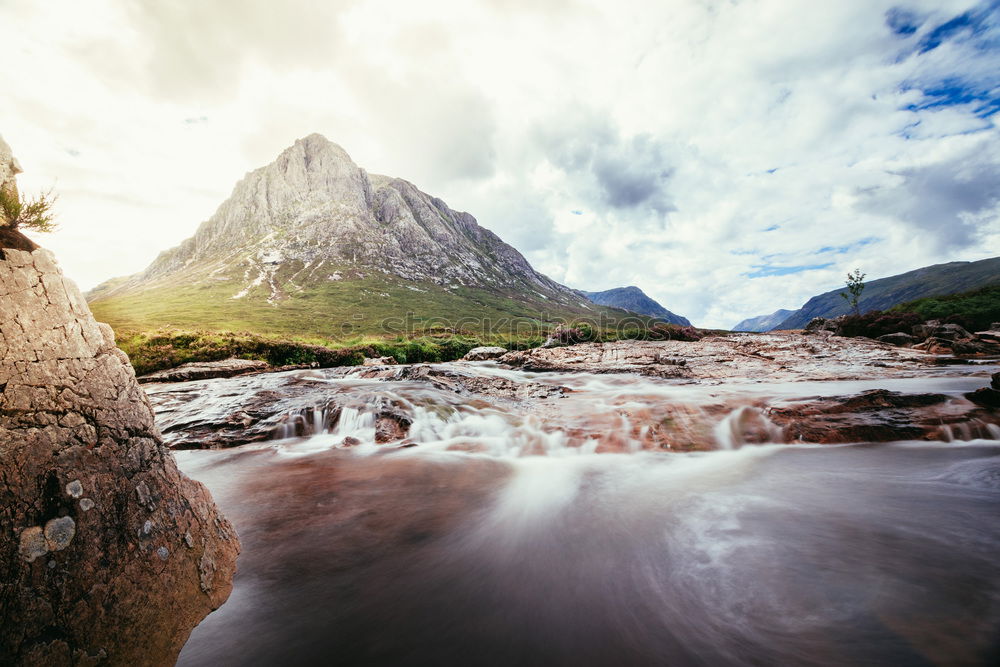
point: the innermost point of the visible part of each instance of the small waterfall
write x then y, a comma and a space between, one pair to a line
746, 425
971, 430
309, 421
354, 425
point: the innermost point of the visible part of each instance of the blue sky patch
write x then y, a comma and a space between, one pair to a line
954, 92
763, 270
902, 22
842, 249
948, 29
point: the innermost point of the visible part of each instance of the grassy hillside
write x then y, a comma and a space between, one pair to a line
976, 310
884, 293
372, 305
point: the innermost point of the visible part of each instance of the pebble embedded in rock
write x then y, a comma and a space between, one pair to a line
86, 504
74, 488
142, 493
32, 543
59, 533
163, 553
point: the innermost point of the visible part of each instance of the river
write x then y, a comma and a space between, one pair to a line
515, 532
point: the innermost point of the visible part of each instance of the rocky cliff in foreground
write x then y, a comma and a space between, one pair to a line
108, 553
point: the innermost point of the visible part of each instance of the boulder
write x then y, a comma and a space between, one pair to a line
820, 324
899, 339
991, 336
204, 370
935, 345
943, 331
484, 353
379, 361
986, 397
108, 552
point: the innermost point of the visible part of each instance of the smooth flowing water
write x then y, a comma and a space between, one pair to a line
505, 537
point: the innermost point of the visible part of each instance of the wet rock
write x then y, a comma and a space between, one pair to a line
942, 331
898, 339
968, 347
817, 324
390, 429
995, 381
74, 419
203, 370
484, 353
776, 356
986, 397
454, 380
872, 416
379, 361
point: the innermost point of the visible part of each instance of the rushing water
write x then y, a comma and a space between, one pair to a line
505, 538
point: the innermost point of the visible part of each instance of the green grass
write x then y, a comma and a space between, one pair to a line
336, 323
158, 350
372, 305
153, 351
975, 310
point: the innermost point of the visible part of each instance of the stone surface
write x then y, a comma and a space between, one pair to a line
379, 361
81, 582
942, 331
992, 335
204, 370
899, 339
873, 416
484, 353
987, 397
9, 167
776, 356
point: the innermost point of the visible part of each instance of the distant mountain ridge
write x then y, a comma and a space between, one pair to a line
884, 293
313, 244
633, 299
763, 323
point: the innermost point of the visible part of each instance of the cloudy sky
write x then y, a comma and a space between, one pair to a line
729, 157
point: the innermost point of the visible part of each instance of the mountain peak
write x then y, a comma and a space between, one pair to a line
633, 299
312, 220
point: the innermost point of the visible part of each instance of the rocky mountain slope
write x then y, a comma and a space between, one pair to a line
763, 323
884, 293
635, 300
109, 553
311, 243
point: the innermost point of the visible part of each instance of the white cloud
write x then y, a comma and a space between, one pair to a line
682, 132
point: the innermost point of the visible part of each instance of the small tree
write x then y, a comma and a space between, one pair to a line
855, 286
23, 213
